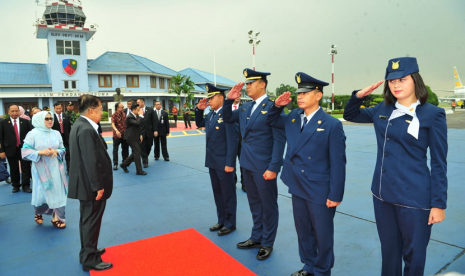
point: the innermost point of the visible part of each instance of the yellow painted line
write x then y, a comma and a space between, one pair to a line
172, 136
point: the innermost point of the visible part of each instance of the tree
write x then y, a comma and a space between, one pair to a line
432, 97
284, 88
179, 85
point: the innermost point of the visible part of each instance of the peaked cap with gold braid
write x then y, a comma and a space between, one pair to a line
213, 90
306, 83
251, 75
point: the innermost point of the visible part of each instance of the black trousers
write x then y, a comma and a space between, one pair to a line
187, 119
14, 170
124, 149
89, 231
175, 117
145, 149
164, 150
135, 155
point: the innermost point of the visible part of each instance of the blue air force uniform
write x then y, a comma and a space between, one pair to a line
262, 149
221, 151
314, 171
404, 188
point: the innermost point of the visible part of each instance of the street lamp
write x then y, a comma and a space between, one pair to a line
254, 41
332, 52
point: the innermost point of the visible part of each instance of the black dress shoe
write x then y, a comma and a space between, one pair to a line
264, 252
98, 267
301, 273
115, 167
27, 190
125, 169
8, 180
248, 244
216, 227
146, 165
15, 189
224, 231
101, 251
167, 159
142, 173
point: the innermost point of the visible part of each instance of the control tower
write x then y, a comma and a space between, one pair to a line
63, 25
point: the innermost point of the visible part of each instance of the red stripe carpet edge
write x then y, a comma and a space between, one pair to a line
185, 252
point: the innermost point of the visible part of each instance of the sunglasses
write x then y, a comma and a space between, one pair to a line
48, 119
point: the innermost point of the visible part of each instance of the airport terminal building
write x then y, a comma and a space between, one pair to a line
68, 72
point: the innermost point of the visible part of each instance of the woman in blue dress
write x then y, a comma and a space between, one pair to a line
44, 148
408, 196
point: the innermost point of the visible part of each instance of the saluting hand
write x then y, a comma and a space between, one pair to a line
283, 100
235, 92
368, 90
99, 194
331, 204
203, 104
436, 215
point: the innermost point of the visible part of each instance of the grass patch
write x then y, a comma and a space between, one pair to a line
337, 116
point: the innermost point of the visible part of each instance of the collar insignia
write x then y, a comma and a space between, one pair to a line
264, 112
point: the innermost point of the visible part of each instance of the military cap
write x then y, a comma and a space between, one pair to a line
46, 108
213, 90
251, 75
70, 104
400, 67
306, 83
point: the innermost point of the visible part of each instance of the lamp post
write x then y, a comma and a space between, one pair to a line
254, 41
332, 52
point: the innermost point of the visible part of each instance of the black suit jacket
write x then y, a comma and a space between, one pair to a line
92, 167
162, 128
8, 137
66, 125
149, 123
133, 128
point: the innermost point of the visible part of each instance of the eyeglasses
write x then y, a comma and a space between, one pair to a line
48, 119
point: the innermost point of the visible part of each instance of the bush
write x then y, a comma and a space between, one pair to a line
104, 116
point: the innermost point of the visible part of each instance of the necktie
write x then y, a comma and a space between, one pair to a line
61, 123
143, 111
250, 111
211, 118
158, 114
235, 107
305, 123
15, 126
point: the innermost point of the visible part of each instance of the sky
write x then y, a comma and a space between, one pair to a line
295, 37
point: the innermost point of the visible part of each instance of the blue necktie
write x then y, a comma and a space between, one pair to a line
305, 122
211, 118
250, 112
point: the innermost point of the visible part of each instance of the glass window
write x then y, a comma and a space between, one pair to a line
153, 82
60, 47
76, 48
104, 81
66, 84
132, 81
73, 85
162, 83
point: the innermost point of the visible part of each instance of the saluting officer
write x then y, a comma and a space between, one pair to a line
408, 197
220, 158
314, 171
261, 159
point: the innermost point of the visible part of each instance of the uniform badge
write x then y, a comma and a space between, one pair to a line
383, 117
264, 112
298, 78
408, 121
293, 120
245, 73
9, 122
217, 127
220, 120
206, 87
395, 65
319, 122
320, 129
263, 104
242, 109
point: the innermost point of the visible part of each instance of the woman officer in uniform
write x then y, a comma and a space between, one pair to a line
408, 197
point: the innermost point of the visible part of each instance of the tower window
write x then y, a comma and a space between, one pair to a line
70, 85
68, 47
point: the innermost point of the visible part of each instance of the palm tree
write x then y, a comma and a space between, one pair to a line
181, 84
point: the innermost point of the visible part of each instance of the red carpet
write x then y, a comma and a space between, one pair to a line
186, 252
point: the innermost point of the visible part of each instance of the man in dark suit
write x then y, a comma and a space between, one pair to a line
62, 124
314, 170
12, 134
127, 110
261, 159
148, 131
162, 130
220, 158
90, 180
235, 106
134, 137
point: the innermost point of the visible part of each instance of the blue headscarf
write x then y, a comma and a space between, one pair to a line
38, 121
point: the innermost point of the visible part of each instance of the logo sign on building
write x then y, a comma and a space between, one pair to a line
69, 66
